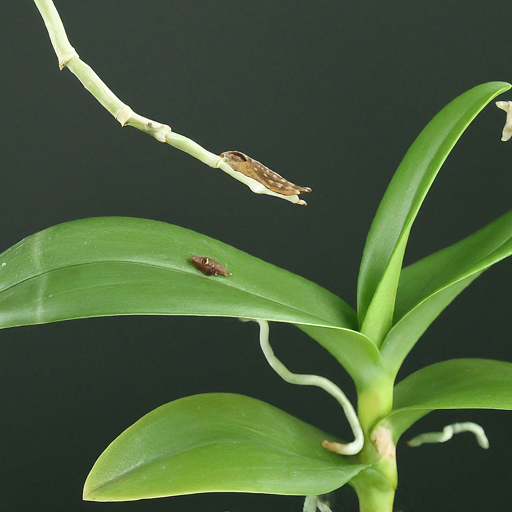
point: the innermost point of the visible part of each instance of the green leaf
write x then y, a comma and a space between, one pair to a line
454, 384
122, 266
217, 442
387, 239
428, 286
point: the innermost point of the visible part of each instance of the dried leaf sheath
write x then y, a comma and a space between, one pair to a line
262, 174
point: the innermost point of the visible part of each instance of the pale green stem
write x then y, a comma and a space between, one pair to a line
314, 380
68, 57
449, 431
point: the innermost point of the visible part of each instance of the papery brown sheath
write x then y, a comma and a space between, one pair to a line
208, 266
262, 174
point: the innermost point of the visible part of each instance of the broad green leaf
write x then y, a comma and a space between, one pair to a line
122, 266
454, 384
404, 335
428, 286
387, 239
217, 442
425, 277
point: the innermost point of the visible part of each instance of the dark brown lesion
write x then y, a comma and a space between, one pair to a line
244, 164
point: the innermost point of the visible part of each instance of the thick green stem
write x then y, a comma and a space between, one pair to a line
375, 401
376, 486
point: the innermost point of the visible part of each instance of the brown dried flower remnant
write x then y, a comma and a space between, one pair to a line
251, 168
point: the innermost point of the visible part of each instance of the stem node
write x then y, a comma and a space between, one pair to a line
124, 115
65, 57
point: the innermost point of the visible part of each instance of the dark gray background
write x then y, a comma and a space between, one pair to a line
328, 93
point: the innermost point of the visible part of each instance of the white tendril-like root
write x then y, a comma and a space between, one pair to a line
448, 432
314, 380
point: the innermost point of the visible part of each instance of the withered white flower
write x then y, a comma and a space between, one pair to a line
507, 130
259, 178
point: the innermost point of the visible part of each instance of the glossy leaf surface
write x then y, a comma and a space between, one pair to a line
121, 266
387, 239
428, 286
454, 384
217, 442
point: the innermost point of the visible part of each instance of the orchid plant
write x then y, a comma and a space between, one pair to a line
232, 443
